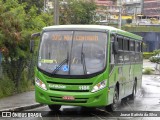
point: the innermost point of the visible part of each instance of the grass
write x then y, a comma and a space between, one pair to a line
148, 71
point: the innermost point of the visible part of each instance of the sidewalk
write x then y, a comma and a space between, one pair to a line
19, 102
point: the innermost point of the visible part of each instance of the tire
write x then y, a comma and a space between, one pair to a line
133, 95
114, 105
54, 107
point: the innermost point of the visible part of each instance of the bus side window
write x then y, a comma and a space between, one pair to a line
112, 56
120, 53
112, 53
126, 50
132, 51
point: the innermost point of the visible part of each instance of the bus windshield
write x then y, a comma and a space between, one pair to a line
72, 52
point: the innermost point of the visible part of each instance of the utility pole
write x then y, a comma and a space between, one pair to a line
56, 12
135, 15
44, 6
120, 15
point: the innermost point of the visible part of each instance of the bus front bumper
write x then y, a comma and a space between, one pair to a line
86, 99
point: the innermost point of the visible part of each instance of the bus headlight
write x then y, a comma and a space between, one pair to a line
99, 86
40, 83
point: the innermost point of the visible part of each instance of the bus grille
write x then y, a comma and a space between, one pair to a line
69, 90
76, 100
69, 86
62, 83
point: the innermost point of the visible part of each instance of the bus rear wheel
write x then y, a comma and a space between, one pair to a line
132, 96
54, 107
115, 103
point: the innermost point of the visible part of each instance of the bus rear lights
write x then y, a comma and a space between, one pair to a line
99, 86
40, 84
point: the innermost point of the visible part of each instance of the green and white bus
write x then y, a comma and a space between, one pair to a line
87, 65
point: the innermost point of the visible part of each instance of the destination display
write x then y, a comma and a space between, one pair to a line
76, 37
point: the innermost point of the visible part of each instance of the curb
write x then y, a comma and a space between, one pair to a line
152, 74
22, 108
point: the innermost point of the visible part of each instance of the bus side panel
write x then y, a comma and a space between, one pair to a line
128, 79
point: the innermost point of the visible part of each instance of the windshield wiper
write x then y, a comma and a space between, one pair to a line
61, 64
83, 60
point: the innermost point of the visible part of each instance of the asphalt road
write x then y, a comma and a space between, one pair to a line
146, 100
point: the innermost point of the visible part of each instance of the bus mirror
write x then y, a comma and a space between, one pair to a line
31, 46
32, 41
115, 47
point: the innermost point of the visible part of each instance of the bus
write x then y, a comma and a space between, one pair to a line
87, 65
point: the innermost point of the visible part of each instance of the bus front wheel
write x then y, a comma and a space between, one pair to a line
115, 103
54, 107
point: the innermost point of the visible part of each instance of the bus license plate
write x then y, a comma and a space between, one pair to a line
68, 98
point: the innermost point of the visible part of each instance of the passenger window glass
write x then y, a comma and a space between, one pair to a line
120, 43
132, 46
137, 46
126, 45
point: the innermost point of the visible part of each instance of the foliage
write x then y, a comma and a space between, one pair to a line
25, 83
16, 27
156, 52
39, 4
77, 12
148, 71
144, 46
147, 55
6, 87
141, 28
156, 57
155, 60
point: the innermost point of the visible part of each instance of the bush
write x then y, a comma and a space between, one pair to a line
6, 87
148, 71
156, 52
154, 60
147, 55
25, 84
136, 28
156, 57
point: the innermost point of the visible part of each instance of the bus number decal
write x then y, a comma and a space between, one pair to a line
84, 87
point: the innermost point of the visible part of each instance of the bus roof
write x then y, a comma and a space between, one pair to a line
97, 27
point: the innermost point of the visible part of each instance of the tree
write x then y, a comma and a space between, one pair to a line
16, 27
30, 3
77, 12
